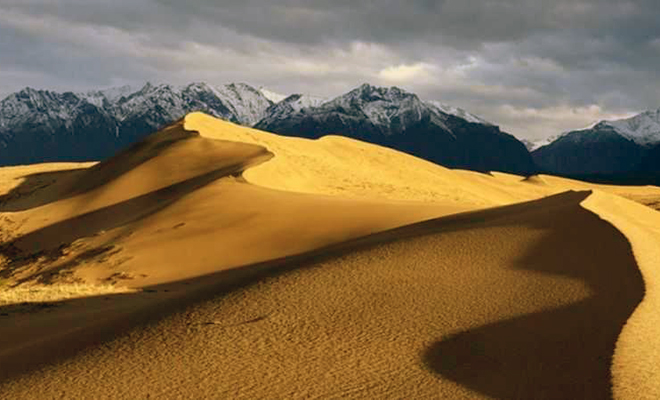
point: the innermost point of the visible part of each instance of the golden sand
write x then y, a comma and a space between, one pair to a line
276, 267
635, 366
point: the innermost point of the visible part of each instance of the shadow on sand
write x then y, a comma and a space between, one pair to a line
556, 353
50, 241
20, 197
560, 353
60, 185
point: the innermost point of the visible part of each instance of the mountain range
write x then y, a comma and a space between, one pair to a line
622, 147
43, 126
398, 119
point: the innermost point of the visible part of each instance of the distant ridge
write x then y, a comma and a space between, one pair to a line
398, 119
45, 126
607, 148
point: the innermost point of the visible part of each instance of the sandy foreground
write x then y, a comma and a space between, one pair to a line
261, 266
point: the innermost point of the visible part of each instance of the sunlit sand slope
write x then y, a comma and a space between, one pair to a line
336, 165
170, 208
521, 301
524, 301
636, 367
345, 167
175, 206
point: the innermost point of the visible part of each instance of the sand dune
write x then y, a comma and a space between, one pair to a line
278, 267
345, 167
339, 166
175, 206
171, 208
485, 304
635, 368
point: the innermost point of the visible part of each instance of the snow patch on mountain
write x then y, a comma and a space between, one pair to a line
643, 129
31, 107
381, 105
458, 112
306, 101
272, 96
235, 102
247, 103
289, 106
153, 105
537, 144
389, 108
299, 101
111, 95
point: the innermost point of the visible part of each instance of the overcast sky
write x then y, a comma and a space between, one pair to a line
534, 67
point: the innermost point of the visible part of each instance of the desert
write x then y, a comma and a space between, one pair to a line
213, 260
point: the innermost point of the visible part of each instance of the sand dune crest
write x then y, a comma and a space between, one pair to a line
635, 370
400, 315
327, 268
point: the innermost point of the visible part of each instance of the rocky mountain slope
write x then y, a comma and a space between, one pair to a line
609, 147
41, 126
398, 119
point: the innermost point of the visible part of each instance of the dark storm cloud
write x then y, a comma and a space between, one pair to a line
453, 21
533, 66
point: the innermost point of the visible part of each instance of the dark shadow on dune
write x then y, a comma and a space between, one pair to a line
21, 197
133, 156
153, 303
60, 185
557, 353
50, 241
46, 346
562, 353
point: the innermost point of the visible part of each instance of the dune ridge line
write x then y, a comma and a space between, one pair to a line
407, 309
207, 213
636, 360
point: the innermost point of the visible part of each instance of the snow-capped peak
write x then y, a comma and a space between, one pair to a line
300, 101
111, 94
538, 143
36, 106
369, 93
246, 102
643, 129
381, 105
458, 112
292, 105
272, 96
